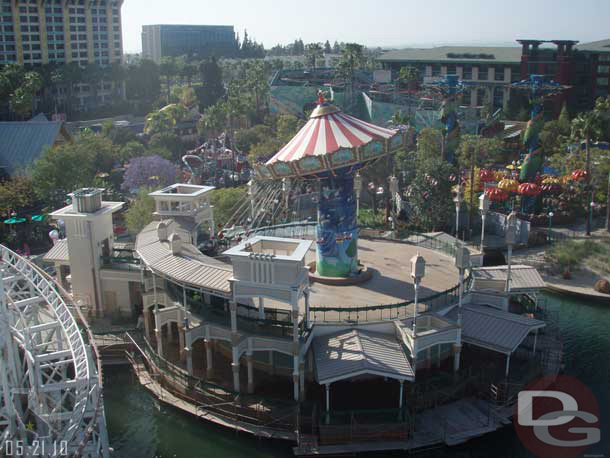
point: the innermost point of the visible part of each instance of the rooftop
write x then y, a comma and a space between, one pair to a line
23, 142
467, 54
494, 329
276, 247
353, 352
182, 190
595, 46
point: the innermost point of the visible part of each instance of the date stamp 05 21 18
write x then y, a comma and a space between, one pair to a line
18, 448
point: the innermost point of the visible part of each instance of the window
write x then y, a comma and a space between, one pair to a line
81, 20
37, 56
57, 10
82, 28
436, 70
35, 47
25, 37
483, 73
602, 81
499, 75
23, 9
466, 96
82, 37
34, 19
26, 56
35, 37
82, 45
59, 19
34, 28
26, 47
72, 28
33, 9
467, 75
451, 69
73, 37
604, 58
603, 68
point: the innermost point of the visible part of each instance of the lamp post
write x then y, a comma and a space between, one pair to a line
393, 187
510, 236
358, 191
251, 192
418, 270
462, 262
286, 192
483, 207
551, 214
458, 199
590, 221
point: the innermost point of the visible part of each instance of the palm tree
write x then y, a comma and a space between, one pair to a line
410, 77
117, 74
312, 52
92, 75
72, 74
587, 126
168, 69
351, 58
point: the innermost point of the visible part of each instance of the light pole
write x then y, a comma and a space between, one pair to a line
458, 199
462, 262
511, 237
591, 205
251, 192
393, 193
358, 191
483, 207
286, 192
551, 214
418, 270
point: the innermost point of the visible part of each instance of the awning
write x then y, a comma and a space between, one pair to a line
59, 253
494, 329
522, 278
353, 352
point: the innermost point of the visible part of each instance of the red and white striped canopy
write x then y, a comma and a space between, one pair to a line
327, 131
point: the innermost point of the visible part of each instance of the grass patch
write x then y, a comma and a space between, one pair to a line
573, 254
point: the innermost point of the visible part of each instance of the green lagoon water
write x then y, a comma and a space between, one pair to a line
140, 427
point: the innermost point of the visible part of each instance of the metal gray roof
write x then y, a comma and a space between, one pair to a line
522, 278
353, 352
501, 54
190, 266
595, 46
22, 142
59, 252
494, 329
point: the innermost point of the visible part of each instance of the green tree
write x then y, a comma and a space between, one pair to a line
313, 51
212, 88
351, 59
66, 167
587, 126
429, 143
327, 48
409, 77
213, 121
225, 203
143, 82
140, 211
168, 70
564, 118
16, 195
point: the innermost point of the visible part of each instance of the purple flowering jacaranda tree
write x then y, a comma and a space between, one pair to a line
150, 172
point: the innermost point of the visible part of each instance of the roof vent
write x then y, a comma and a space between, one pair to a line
162, 231
87, 200
175, 243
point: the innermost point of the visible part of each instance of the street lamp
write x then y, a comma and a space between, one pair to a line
591, 206
418, 270
251, 192
510, 237
358, 190
483, 207
551, 214
458, 199
462, 262
393, 187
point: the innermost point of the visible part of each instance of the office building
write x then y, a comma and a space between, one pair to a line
36, 32
198, 41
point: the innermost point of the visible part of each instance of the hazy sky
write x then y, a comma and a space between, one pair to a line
380, 22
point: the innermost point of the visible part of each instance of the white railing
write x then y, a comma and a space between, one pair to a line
78, 425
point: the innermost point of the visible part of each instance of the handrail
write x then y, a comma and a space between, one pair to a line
83, 373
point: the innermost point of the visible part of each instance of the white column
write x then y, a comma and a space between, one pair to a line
400, 398
181, 341
189, 360
295, 342
307, 310
233, 311
235, 368
482, 230
261, 308
159, 335
510, 253
208, 358
249, 363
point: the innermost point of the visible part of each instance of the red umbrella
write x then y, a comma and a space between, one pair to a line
487, 176
551, 188
529, 189
496, 194
579, 175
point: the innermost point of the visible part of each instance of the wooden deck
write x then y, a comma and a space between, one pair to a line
450, 424
168, 398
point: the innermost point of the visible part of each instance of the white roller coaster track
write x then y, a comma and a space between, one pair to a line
50, 388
